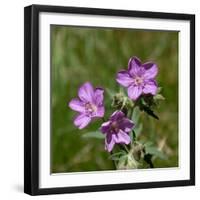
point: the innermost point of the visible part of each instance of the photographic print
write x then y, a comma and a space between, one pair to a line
109, 99
114, 99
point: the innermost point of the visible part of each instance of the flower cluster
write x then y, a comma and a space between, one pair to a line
139, 80
122, 128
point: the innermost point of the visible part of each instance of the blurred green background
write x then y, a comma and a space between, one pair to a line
96, 54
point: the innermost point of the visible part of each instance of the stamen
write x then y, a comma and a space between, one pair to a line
90, 107
138, 80
114, 126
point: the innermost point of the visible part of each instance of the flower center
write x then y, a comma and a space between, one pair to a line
89, 107
138, 80
114, 126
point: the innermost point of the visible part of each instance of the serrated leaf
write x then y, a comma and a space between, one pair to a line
94, 134
155, 152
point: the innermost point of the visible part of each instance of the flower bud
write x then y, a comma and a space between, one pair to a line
138, 151
122, 102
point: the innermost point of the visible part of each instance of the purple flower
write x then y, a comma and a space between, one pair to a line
117, 130
89, 104
139, 78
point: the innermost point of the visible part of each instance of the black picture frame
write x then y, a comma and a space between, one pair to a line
31, 98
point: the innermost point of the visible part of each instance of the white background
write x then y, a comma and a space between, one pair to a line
11, 100
47, 180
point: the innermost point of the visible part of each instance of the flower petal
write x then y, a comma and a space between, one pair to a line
81, 121
150, 87
109, 142
77, 105
134, 66
100, 111
122, 137
151, 70
86, 92
105, 127
117, 115
98, 96
126, 125
134, 92
124, 79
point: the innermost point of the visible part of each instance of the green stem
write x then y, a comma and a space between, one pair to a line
113, 161
131, 113
123, 147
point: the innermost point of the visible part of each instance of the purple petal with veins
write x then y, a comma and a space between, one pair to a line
139, 78
89, 104
117, 130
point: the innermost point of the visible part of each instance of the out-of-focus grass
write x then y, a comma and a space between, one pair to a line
95, 54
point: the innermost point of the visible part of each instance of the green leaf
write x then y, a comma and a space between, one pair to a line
158, 97
136, 115
138, 129
159, 89
155, 152
136, 118
145, 104
118, 155
150, 112
148, 144
94, 134
123, 158
132, 135
122, 162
